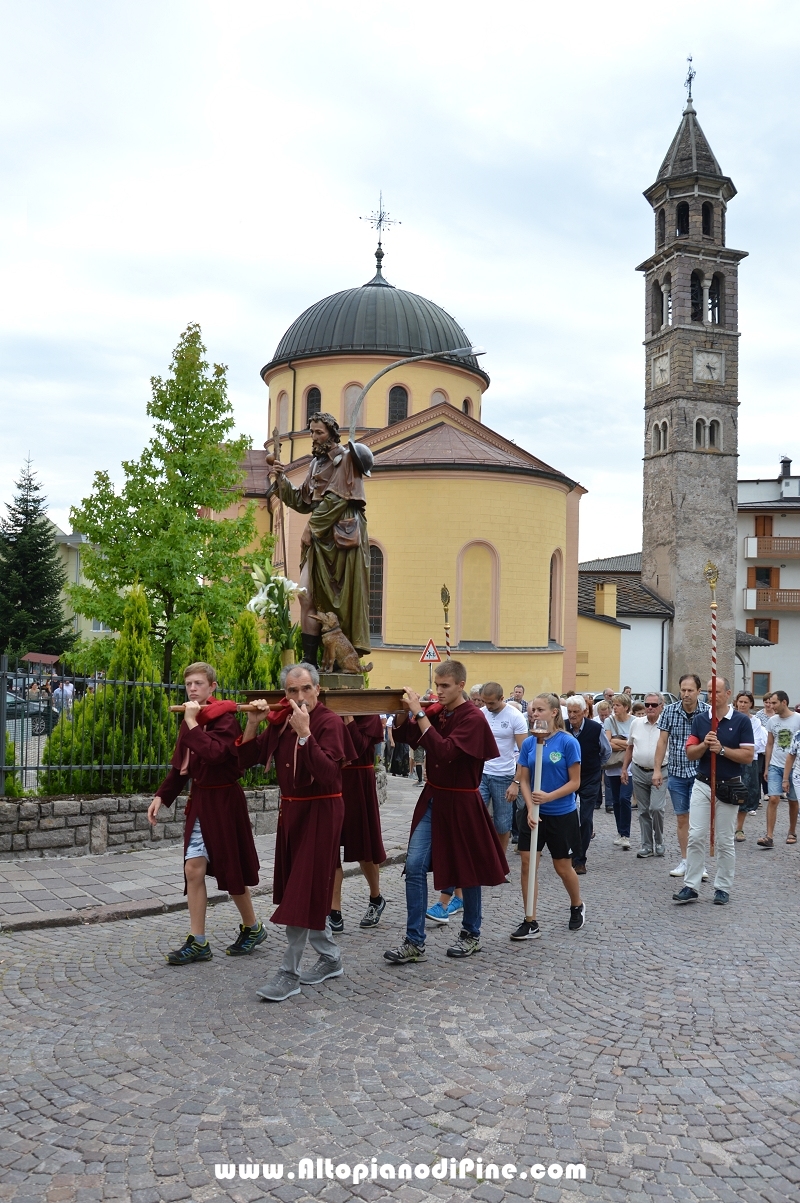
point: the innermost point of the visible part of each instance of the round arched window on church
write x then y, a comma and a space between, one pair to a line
398, 404
313, 403
466, 406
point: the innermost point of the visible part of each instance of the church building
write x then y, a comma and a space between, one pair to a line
449, 501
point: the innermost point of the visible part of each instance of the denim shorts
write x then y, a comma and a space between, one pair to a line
197, 845
775, 783
680, 792
493, 789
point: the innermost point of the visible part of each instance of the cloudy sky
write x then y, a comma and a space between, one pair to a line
173, 160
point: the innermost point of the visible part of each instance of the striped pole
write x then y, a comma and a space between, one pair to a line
711, 573
445, 596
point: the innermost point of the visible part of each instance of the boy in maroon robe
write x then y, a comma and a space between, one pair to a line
218, 838
361, 830
309, 743
451, 830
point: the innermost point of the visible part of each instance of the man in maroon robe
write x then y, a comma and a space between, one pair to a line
309, 743
361, 830
218, 838
451, 830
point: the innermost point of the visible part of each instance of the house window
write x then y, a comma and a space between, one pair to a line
714, 436
656, 438
700, 435
682, 219
708, 219
765, 628
763, 577
398, 404
313, 403
466, 406
764, 526
99, 626
664, 436
761, 684
375, 591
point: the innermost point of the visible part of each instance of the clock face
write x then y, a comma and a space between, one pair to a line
708, 367
661, 369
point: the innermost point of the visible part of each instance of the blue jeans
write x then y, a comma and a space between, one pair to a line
622, 795
493, 790
418, 866
680, 792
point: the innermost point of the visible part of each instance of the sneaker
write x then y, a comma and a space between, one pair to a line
625, 844
577, 916
687, 894
454, 906
721, 897
189, 952
438, 913
644, 852
679, 870
247, 939
705, 875
526, 931
323, 969
283, 986
617, 842
372, 917
406, 954
336, 921
465, 946
659, 849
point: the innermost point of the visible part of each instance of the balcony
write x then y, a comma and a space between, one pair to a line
772, 599
774, 547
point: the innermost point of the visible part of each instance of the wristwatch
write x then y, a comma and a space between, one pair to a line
302, 741
721, 750
420, 714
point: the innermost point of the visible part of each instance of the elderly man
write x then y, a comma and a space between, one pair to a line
595, 751
640, 759
733, 745
309, 744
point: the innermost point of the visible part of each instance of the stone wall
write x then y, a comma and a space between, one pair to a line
114, 823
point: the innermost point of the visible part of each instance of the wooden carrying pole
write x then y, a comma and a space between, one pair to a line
537, 785
711, 573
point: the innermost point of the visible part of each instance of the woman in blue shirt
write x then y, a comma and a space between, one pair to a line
558, 825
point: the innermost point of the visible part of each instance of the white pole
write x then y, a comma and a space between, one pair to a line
537, 785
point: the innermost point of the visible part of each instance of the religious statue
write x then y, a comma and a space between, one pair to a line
334, 559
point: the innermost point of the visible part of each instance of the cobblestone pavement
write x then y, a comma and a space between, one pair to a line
658, 1046
46, 889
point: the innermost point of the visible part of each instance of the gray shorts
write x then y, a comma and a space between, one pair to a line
197, 845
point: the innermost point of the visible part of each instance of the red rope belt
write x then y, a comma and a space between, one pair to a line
369, 768
309, 797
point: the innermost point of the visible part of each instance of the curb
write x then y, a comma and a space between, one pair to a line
116, 912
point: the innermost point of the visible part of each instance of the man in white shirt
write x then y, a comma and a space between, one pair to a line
781, 729
640, 757
499, 784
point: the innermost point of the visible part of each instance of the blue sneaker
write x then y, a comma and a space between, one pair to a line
437, 913
454, 906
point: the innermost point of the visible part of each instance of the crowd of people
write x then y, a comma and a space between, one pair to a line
494, 772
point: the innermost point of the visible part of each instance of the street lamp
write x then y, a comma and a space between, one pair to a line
398, 363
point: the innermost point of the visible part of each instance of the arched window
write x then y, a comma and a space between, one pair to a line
351, 395
714, 436
658, 307
375, 591
554, 614
439, 397
700, 435
656, 438
662, 227
282, 413
667, 290
716, 295
708, 219
682, 219
313, 403
466, 406
697, 297
664, 436
398, 404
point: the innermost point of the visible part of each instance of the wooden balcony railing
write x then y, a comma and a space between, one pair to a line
777, 599
778, 546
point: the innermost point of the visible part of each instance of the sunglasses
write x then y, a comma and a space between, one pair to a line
651, 705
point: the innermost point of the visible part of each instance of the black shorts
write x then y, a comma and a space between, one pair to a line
561, 834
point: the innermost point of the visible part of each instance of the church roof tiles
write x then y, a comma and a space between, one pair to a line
689, 153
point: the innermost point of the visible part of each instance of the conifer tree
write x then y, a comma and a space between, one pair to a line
246, 667
201, 644
32, 576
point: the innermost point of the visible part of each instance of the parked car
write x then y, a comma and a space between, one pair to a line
639, 697
41, 714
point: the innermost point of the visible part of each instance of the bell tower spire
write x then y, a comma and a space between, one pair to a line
691, 397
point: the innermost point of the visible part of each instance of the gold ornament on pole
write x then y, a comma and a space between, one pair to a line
445, 595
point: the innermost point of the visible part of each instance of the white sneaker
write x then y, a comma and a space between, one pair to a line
705, 875
625, 843
618, 841
679, 869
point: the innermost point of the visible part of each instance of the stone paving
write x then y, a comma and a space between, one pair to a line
658, 1047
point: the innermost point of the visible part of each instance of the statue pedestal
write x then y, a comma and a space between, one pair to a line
341, 681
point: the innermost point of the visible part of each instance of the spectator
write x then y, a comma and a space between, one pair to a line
617, 729
499, 782
595, 751
751, 773
518, 696
626, 689
675, 724
589, 700
640, 757
781, 729
475, 696
608, 696
638, 709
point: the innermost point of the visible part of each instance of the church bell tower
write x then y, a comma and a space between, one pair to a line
691, 400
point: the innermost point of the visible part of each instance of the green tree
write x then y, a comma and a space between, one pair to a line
201, 644
90, 656
159, 528
123, 723
246, 666
13, 783
32, 576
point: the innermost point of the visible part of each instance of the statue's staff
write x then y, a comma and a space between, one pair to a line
445, 595
274, 457
711, 573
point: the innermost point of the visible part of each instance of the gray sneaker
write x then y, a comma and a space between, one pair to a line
282, 986
644, 852
324, 968
465, 946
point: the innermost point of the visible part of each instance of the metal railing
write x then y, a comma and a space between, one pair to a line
70, 734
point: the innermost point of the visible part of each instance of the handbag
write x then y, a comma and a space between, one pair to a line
346, 534
735, 793
616, 758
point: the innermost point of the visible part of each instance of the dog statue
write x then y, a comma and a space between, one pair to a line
337, 648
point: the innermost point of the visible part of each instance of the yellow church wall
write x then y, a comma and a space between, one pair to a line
538, 672
334, 374
598, 652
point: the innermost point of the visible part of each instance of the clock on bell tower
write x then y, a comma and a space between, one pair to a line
691, 400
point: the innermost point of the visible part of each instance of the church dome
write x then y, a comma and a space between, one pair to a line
375, 318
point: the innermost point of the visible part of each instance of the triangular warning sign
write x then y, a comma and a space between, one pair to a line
430, 655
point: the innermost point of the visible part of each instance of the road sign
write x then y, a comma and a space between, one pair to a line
430, 655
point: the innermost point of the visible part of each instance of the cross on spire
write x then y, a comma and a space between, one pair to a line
690, 74
381, 220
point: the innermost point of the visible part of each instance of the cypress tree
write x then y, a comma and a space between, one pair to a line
32, 576
246, 667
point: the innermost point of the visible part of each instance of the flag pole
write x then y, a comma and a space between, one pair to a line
711, 573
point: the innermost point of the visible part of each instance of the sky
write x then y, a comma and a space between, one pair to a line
180, 160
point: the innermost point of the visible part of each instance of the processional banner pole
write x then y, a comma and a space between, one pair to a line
711, 574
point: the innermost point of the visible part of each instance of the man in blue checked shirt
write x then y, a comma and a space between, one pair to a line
675, 725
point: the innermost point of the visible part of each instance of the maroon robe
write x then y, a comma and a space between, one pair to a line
361, 830
464, 846
310, 816
216, 799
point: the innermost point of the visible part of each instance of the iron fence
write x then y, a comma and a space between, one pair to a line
64, 734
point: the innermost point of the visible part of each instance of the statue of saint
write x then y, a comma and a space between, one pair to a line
334, 559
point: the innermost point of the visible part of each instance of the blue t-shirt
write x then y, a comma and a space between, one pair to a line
560, 752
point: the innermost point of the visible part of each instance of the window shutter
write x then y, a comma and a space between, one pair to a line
774, 578
764, 526
750, 626
773, 630
751, 577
